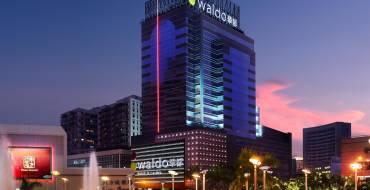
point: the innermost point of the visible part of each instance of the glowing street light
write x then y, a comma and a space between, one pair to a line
204, 172
105, 180
55, 174
306, 172
247, 175
162, 183
356, 167
173, 174
196, 177
255, 163
264, 170
129, 181
65, 180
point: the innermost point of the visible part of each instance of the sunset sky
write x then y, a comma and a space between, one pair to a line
313, 59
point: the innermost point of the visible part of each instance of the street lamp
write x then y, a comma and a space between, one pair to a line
162, 183
129, 181
196, 177
65, 180
356, 167
306, 172
105, 180
255, 163
55, 174
173, 174
264, 170
247, 175
204, 172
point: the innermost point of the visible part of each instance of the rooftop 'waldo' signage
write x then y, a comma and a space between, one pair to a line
222, 10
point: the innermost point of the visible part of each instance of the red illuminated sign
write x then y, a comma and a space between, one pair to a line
31, 163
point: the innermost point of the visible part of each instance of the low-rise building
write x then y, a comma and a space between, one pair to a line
356, 150
117, 158
38, 151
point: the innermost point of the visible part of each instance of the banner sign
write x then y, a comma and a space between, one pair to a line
31, 163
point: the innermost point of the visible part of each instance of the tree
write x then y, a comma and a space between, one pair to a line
26, 185
220, 177
244, 166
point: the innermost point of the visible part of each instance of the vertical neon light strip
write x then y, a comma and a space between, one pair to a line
158, 72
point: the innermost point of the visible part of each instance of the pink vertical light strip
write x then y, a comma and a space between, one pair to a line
158, 70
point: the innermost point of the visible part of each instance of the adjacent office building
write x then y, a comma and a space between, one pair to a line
272, 141
81, 126
118, 122
322, 145
103, 128
198, 68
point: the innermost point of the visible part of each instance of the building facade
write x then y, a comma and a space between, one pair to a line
198, 68
322, 145
118, 158
297, 166
204, 148
118, 122
102, 128
153, 161
37, 150
274, 142
356, 150
81, 126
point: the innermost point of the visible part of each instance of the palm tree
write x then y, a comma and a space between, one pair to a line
26, 185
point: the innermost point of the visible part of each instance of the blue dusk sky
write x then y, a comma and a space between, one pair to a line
313, 59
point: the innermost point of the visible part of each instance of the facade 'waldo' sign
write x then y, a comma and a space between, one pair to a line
160, 163
153, 162
31, 163
223, 10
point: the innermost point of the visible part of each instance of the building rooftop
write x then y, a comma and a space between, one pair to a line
25, 129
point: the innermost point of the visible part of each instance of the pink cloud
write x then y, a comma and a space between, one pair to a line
278, 111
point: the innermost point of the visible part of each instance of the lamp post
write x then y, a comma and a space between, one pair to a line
264, 170
55, 174
65, 180
129, 181
105, 180
356, 167
162, 183
247, 175
196, 177
173, 174
306, 172
255, 163
204, 172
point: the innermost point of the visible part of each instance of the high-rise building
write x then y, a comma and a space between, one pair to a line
198, 68
118, 122
81, 128
322, 145
105, 127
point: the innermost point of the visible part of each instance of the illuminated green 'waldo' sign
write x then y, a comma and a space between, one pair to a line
222, 10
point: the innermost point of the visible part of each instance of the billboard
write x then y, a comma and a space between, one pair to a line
31, 162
